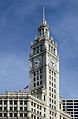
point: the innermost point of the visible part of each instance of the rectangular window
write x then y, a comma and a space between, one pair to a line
37, 83
34, 79
44, 97
11, 108
25, 102
54, 51
49, 88
15, 108
54, 91
40, 70
15, 102
44, 109
10, 102
49, 94
21, 108
37, 72
40, 113
54, 74
72, 100
40, 82
0, 108
32, 103
52, 78
34, 51
34, 84
21, 102
34, 73
49, 47
5, 114
21, 114
50, 112
50, 105
50, 99
49, 76
40, 76
75, 106
60, 117
31, 115
37, 49
10, 114
0, 114
0, 102
25, 114
37, 112
5, 102
15, 114
38, 106
50, 71
75, 103
34, 117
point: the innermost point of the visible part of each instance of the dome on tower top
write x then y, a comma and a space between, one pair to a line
44, 23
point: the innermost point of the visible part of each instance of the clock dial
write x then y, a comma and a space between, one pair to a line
52, 62
37, 62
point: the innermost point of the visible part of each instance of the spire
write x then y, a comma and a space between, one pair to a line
43, 29
43, 14
44, 22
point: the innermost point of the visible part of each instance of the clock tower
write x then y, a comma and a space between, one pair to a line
44, 69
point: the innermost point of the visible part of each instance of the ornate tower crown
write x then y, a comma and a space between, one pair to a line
43, 29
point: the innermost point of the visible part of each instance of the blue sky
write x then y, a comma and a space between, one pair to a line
19, 20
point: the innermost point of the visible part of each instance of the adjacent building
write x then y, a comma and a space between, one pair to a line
42, 100
71, 106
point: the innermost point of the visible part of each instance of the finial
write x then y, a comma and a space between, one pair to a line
43, 13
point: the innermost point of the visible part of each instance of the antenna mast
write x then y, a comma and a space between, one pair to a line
43, 13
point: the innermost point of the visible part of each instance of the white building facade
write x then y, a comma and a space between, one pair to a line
44, 69
42, 101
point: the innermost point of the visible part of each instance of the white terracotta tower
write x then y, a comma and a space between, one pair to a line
44, 69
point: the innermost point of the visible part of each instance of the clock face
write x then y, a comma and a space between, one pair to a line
52, 62
37, 62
